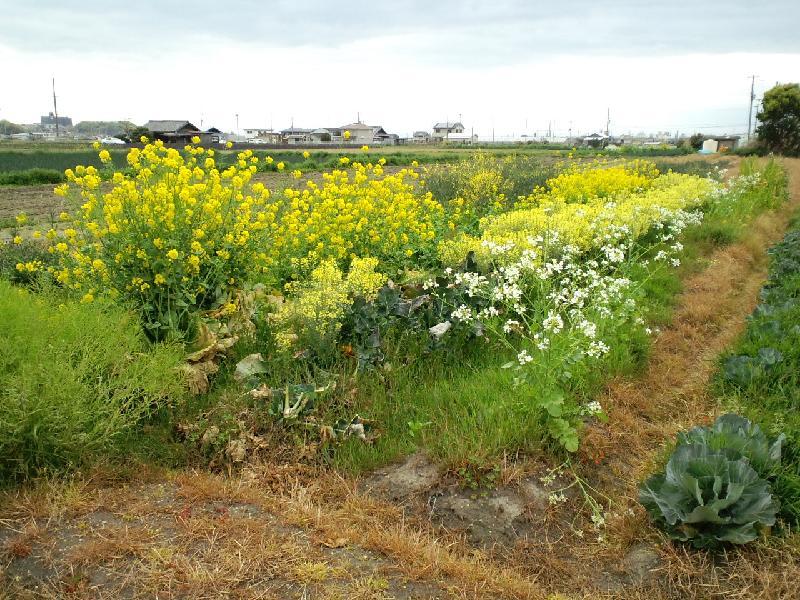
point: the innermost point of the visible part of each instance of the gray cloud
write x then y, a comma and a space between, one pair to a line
450, 32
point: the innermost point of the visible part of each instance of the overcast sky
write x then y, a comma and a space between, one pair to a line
506, 66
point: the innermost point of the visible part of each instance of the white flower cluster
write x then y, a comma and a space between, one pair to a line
462, 313
593, 408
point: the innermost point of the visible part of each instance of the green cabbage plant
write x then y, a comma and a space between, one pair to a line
711, 491
738, 437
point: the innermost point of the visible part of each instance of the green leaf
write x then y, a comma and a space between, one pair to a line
249, 366
709, 492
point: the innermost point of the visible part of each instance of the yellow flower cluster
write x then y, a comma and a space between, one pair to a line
31, 266
598, 179
470, 189
172, 236
579, 224
353, 212
317, 306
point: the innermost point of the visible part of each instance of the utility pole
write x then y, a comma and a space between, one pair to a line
750, 112
55, 106
237, 125
608, 121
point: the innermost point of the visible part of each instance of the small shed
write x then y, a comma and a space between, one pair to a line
720, 143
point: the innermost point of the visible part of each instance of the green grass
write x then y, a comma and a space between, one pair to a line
35, 176
77, 379
18, 157
13, 160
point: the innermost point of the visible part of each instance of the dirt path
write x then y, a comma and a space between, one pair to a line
281, 531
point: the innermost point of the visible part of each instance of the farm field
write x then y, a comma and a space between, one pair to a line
409, 381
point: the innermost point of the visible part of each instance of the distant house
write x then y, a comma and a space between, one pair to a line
380, 136
180, 132
421, 137
212, 135
359, 133
596, 140
462, 138
49, 122
295, 135
262, 135
442, 131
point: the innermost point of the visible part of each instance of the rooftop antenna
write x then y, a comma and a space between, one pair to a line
55, 106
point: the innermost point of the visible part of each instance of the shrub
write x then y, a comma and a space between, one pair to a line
21, 263
714, 488
314, 313
31, 177
174, 237
76, 377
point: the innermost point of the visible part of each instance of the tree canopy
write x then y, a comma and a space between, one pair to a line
8, 128
779, 120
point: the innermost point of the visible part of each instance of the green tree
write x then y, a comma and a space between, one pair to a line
7, 127
696, 141
134, 133
779, 127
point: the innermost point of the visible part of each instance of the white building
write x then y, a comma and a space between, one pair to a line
443, 131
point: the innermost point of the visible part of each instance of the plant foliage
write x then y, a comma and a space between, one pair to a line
714, 488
